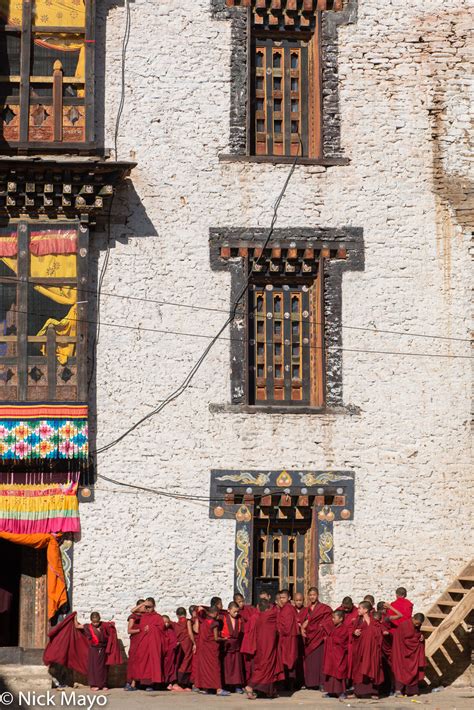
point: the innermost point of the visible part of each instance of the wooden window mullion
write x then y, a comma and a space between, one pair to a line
305, 345
287, 342
82, 301
25, 66
269, 376
269, 96
22, 319
287, 99
90, 71
304, 149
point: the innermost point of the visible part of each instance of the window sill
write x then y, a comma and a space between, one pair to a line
350, 410
281, 159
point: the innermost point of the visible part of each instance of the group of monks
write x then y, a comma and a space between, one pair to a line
363, 650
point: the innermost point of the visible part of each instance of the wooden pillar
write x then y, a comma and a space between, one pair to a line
314, 549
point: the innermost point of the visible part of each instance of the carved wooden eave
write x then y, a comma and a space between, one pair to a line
58, 188
287, 14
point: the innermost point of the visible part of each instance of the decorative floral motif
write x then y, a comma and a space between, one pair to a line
44, 439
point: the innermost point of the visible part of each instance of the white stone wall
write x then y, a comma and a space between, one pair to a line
404, 100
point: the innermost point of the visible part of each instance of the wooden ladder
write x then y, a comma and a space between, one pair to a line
447, 627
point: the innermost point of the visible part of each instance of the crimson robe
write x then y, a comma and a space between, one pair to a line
267, 668
350, 617
367, 653
207, 672
71, 648
97, 638
319, 619
185, 654
301, 615
170, 650
408, 654
336, 647
287, 625
404, 607
233, 660
149, 649
132, 652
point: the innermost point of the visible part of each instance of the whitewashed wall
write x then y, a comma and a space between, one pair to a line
404, 100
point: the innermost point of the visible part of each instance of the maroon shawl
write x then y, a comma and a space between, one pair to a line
319, 618
336, 647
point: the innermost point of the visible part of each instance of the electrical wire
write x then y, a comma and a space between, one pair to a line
189, 377
210, 309
125, 41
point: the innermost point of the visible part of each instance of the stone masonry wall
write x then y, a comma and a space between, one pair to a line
403, 72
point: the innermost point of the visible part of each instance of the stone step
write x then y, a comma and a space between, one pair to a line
18, 678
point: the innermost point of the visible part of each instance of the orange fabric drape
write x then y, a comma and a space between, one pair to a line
56, 581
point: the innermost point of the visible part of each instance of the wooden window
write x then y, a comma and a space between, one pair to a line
47, 81
285, 95
285, 343
43, 333
281, 552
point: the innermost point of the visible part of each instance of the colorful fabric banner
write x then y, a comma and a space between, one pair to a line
43, 431
26, 509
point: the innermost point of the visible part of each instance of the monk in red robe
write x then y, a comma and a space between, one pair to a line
367, 673
148, 663
288, 632
246, 612
301, 614
335, 665
267, 668
408, 656
97, 635
402, 605
232, 633
385, 614
314, 630
170, 651
185, 653
351, 613
133, 629
208, 666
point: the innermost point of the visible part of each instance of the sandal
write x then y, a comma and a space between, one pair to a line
223, 693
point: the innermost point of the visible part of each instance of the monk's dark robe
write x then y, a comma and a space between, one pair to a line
301, 615
132, 652
387, 642
350, 619
96, 665
367, 674
408, 658
170, 650
319, 618
405, 608
246, 614
233, 632
208, 667
267, 668
288, 632
335, 664
185, 654
149, 651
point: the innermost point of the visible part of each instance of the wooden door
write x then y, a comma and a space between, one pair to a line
282, 556
33, 616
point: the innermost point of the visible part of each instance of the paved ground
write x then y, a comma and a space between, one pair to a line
117, 699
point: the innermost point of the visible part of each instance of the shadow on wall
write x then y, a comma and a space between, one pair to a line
5, 689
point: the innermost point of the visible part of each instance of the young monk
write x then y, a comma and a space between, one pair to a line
335, 665
381, 615
185, 654
208, 667
97, 635
232, 633
402, 605
301, 614
351, 613
267, 668
288, 632
371, 599
245, 610
133, 629
170, 650
367, 674
314, 630
408, 656
149, 651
